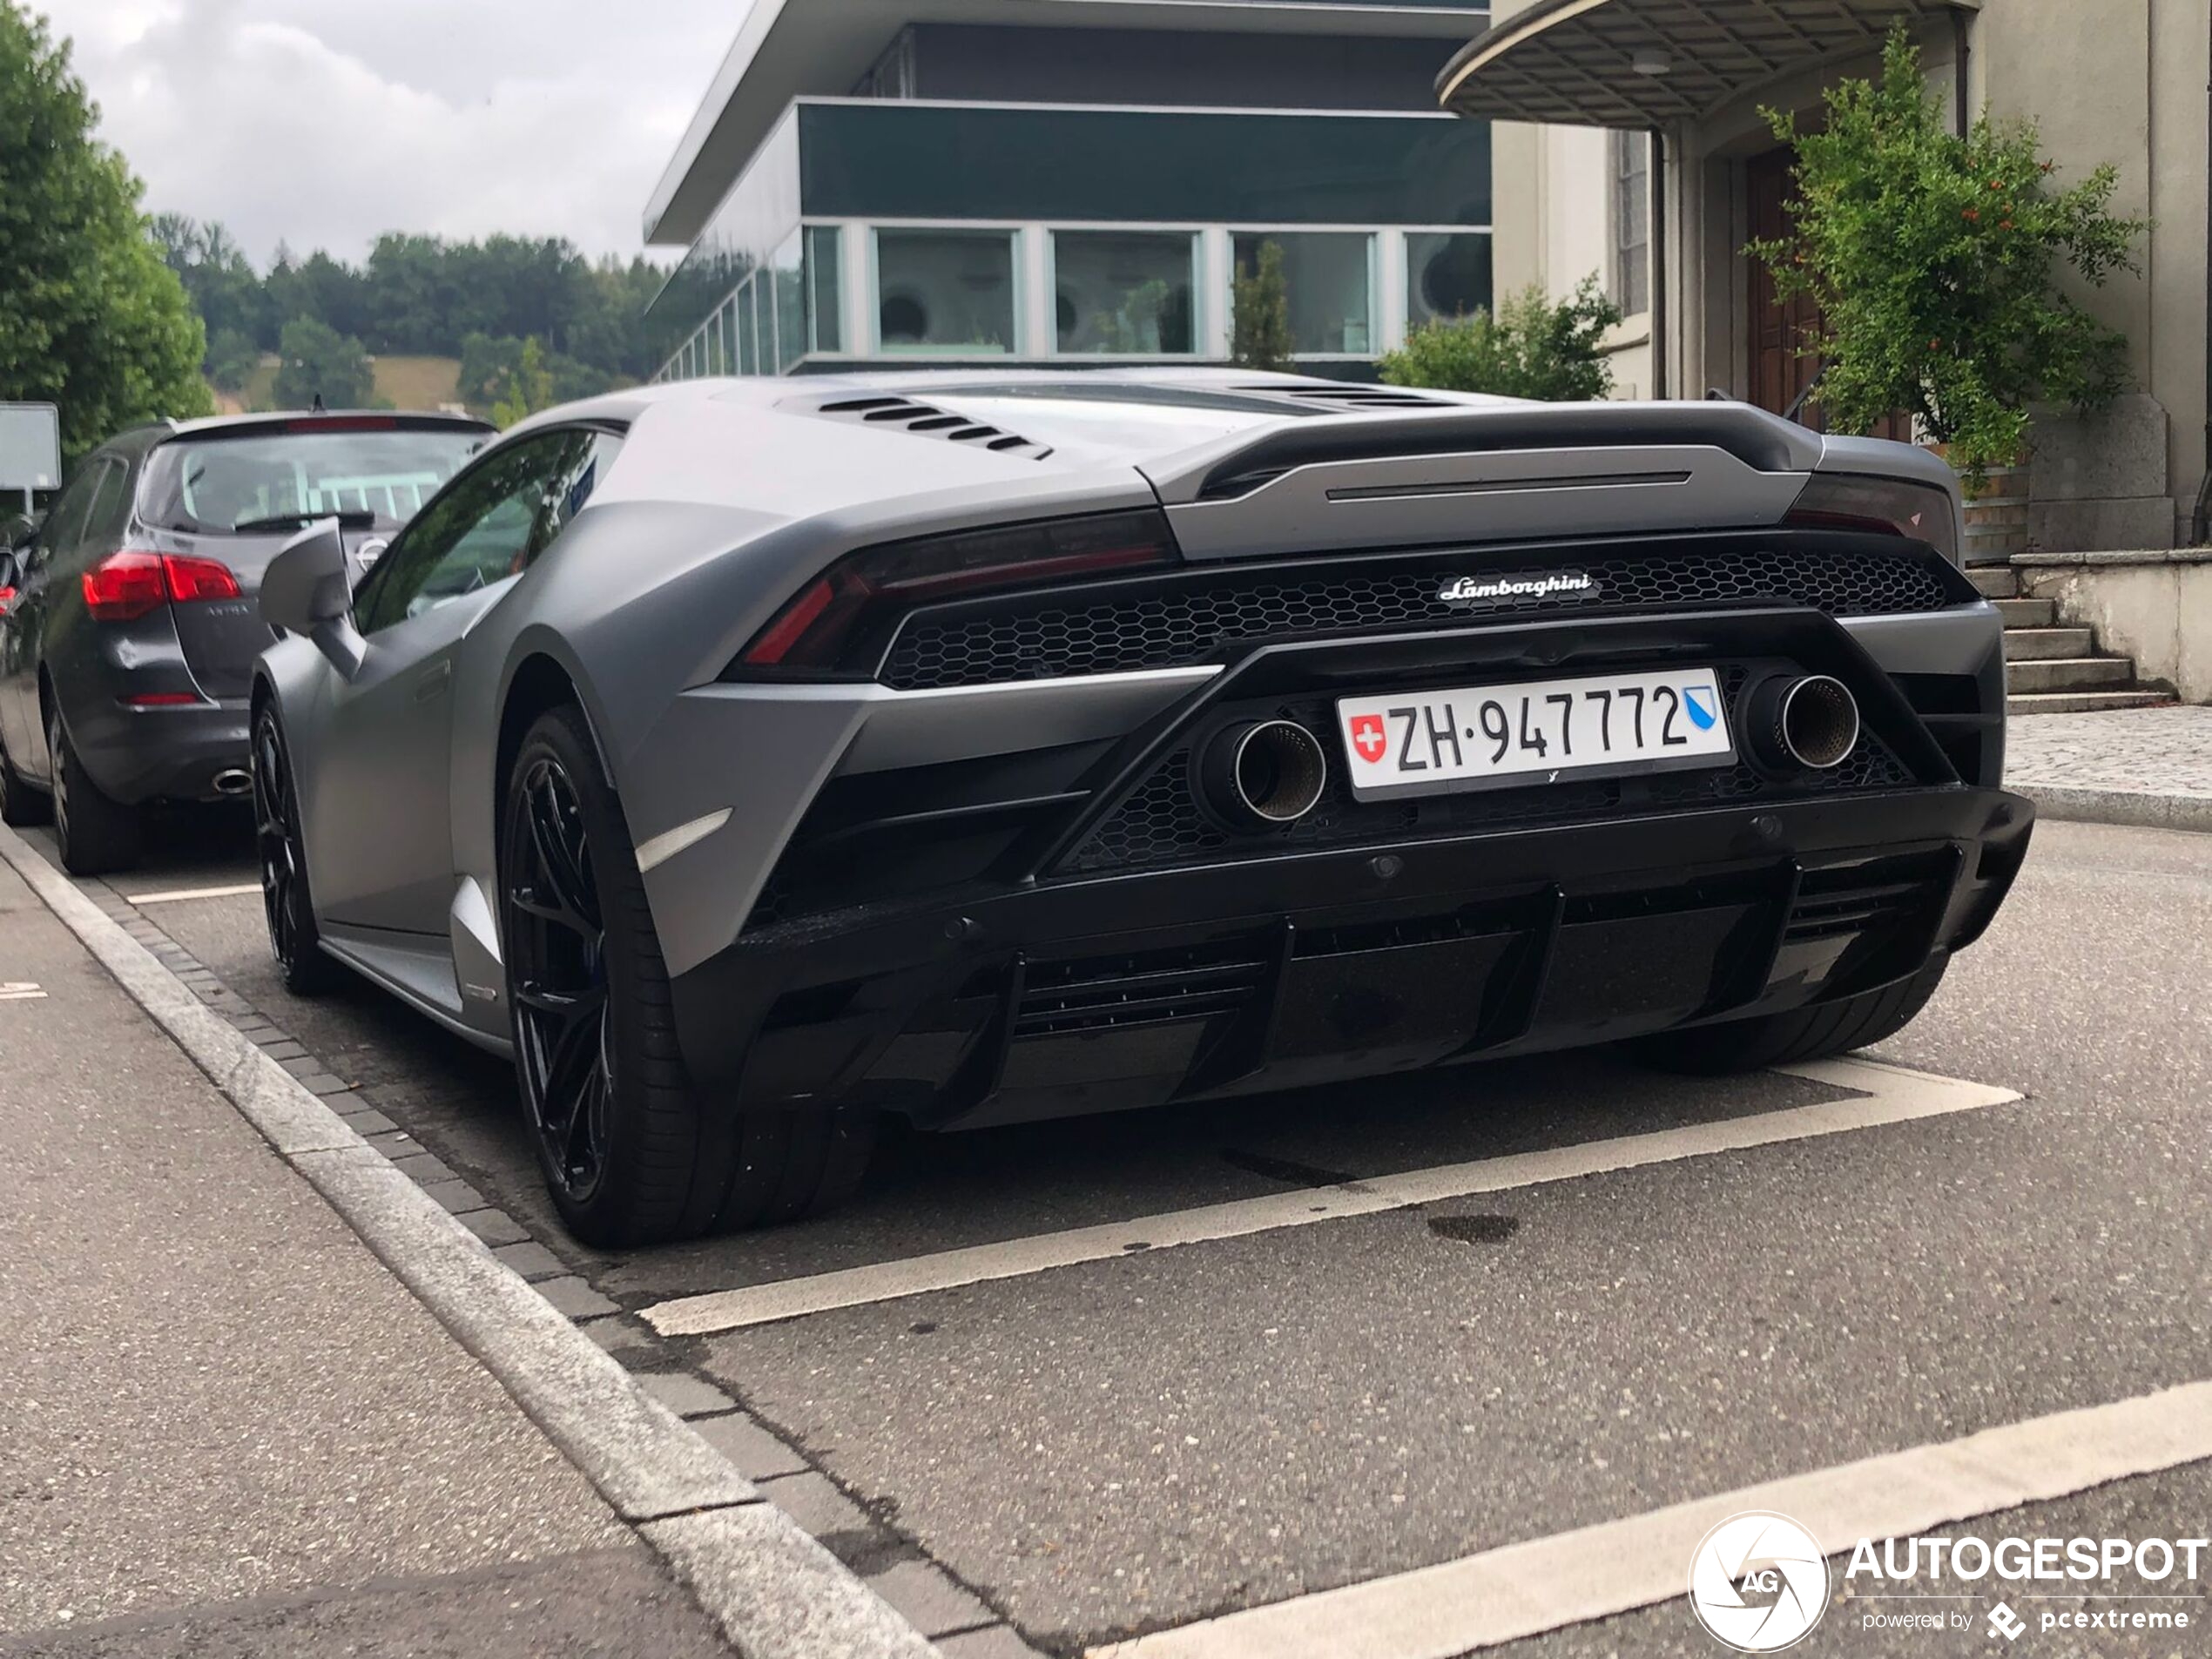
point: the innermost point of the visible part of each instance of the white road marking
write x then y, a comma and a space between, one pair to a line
1595, 1572
18, 990
1888, 1095
192, 892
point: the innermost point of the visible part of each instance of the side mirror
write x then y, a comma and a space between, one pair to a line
307, 590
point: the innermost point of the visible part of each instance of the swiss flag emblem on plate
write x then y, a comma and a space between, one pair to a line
1368, 736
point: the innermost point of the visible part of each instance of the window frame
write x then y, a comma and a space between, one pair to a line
1017, 344
1372, 234
1627, 263
1200, 299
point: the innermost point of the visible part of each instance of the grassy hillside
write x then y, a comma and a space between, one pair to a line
404, 382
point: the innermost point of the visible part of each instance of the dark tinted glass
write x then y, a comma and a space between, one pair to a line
910, 161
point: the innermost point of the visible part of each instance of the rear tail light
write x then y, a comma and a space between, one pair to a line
857, 600
125, 586
1886, 506
163, 699
7, 598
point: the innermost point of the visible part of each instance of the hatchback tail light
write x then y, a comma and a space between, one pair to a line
859, 600
125, 586
7, 598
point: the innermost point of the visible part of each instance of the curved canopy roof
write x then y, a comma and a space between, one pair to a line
1648, 62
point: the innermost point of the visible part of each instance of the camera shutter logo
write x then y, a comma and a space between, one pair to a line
1758, 1582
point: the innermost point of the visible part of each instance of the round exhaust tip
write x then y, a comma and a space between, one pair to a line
233, 780
1818, 721
1264, 774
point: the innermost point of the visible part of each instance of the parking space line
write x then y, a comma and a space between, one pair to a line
1570, 1578
192, 892
1886, 1094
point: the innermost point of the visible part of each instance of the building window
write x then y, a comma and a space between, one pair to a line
748, 338
1330, 275
946, 292
1125, 293
893, 74
1448, 275
824, 291
1631, 274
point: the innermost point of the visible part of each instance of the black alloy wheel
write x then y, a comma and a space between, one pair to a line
555, 941
295, 940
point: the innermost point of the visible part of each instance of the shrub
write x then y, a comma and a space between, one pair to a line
1261, 325
1530, 348
1934, 259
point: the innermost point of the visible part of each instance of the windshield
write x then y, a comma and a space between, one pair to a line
277, 480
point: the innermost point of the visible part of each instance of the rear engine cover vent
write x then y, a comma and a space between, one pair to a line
1355, 397
888, 410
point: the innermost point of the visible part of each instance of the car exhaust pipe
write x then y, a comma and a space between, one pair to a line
1805, 724
233, 780
1263, 774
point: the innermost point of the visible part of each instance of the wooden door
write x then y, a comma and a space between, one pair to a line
1780, 375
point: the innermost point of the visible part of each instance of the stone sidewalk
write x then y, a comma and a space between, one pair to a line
2145, 766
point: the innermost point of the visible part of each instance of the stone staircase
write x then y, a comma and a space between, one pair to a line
2052, 669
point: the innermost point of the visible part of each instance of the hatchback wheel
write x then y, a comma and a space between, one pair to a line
94, 833
294, 939
629, 1152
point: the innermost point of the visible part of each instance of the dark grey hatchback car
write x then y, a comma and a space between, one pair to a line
127, 647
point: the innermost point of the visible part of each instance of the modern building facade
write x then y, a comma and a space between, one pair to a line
1628, 140
1028, 182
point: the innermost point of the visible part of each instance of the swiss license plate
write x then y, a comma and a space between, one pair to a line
1428, 742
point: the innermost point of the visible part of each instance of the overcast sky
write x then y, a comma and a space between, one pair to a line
322, 123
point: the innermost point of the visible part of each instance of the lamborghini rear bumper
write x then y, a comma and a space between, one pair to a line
1065, 996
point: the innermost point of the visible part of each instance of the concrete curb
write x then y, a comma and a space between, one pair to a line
774, 1592
2137, 809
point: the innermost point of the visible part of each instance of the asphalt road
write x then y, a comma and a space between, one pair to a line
1134, 1443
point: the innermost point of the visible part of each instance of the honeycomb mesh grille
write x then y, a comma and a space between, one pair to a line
1192, 620
1160, 821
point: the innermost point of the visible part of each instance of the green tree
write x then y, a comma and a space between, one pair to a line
529, 389
319, 362
232, 358
216, 273
1261, 336
1935, 259
1530, 348
91, 319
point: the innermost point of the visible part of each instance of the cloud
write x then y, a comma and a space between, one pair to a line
324, 123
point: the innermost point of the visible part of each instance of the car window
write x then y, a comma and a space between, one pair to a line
110, 508
481, 529
584, 469
65, 523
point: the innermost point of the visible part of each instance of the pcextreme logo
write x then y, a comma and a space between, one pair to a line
1758, 1582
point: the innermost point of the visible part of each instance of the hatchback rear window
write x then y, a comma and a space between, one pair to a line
272, 481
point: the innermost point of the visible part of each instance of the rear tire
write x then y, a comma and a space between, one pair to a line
1816, 1033
21, 806
95, 834
630, 1152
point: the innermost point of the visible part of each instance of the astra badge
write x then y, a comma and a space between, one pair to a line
1505, 589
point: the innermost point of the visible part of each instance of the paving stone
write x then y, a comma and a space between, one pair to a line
424, 1169
532, 1260
455, 1196
2153, 751
618, 1335
320, 1083
349, 1104
931, 1601
815, 1504
395, 1144
370, 1123
495, 1227
998, 1641
284, 1049
758, 1454
570, 1295
685, 1394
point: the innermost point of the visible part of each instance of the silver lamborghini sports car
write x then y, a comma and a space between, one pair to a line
751, 758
